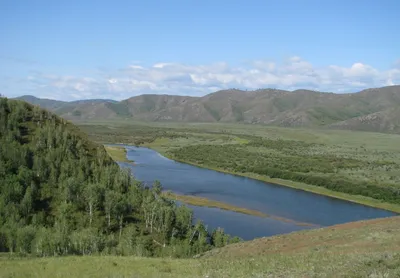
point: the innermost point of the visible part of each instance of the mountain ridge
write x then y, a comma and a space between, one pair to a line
299, 108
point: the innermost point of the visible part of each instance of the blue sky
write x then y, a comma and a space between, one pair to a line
116, 49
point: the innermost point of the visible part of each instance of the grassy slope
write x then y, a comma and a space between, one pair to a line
360, 249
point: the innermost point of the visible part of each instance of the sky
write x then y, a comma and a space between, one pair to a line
70, 50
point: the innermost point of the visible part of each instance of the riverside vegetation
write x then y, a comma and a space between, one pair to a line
61, 194
357, 166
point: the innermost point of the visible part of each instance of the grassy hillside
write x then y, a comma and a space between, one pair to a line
359, 249
61, 194
371, 110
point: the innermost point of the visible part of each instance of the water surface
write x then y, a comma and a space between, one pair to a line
244, 192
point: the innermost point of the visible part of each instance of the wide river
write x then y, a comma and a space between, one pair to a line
278, 201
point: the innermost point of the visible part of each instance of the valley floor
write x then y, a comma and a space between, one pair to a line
361, 167
360, 249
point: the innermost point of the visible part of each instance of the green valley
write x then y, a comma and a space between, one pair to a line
204, 139
358, 166
62, 196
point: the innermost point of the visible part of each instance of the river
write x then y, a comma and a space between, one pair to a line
278, 201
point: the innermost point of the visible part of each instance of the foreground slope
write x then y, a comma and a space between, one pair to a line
359, 249
299, 108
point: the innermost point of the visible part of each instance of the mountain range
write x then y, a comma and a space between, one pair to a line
375, 109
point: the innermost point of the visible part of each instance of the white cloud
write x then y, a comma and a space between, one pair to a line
161, 65
135, 67
198, 80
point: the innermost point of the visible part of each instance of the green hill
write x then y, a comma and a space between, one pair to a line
300, 108
61, 194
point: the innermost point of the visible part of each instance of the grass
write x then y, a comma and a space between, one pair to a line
360, 249
117, 153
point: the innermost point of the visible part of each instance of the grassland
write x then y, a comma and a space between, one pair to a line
360, 249
117, 153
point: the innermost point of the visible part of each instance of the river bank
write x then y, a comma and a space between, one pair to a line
295, 185
287, 208
118, 153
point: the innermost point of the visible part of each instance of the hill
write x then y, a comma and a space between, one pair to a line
383, 121
61, 194
45, 103
359, 249
371, 109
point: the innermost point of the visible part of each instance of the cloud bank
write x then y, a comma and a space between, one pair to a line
198, 80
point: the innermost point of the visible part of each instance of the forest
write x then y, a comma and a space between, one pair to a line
61, 194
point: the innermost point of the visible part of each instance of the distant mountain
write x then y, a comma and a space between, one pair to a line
85, 109
382, 121
372, 109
